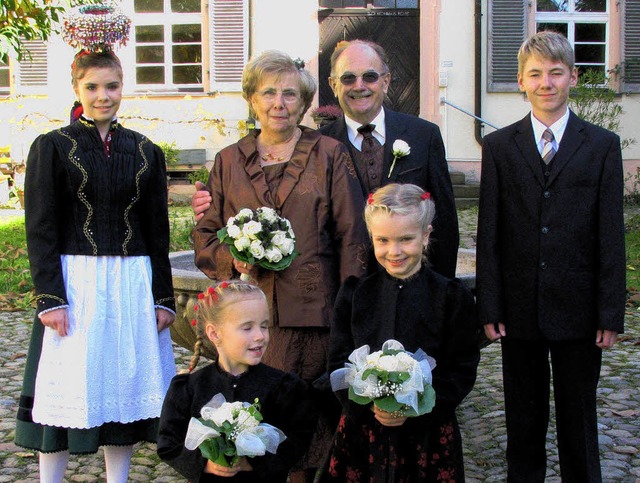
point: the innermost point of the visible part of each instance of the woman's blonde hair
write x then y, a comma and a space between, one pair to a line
210, 310
278, 63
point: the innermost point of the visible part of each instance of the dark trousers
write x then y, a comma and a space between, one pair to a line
526, 372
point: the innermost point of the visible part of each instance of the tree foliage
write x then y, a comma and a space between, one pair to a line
594, 101
22, 20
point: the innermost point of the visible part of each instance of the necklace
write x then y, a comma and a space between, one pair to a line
268, 157
278, 153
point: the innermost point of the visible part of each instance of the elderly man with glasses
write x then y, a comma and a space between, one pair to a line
386, 146
360, 79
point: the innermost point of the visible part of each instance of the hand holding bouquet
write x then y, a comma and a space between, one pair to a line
227, 431
260, 237
393, 379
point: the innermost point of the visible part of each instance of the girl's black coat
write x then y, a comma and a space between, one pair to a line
285, 403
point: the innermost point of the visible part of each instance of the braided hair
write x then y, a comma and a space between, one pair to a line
210, 310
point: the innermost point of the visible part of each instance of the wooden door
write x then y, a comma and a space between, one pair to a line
397, 30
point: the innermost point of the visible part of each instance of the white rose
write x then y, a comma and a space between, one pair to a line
233, 231
278, 236
405, 362
400, 148
224, 413
373, 358
244, 213
256, 249
242, 243
251, 228
268, 214
273, 254
388, 363
286, 247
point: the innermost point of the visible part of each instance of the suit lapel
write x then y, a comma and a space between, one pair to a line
525, 142
394, 130
572, 138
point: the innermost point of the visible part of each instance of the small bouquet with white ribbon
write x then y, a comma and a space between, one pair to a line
228, 430
260, 237
395, 380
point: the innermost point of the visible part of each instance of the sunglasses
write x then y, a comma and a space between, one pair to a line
369, 77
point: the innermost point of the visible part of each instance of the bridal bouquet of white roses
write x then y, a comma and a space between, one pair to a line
260, 237
228, 430
395, 380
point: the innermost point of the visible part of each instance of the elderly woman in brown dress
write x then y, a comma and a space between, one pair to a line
309, 179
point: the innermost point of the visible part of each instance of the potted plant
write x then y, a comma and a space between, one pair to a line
325, 114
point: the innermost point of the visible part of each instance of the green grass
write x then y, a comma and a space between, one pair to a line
180, 225
633, 253
15, 280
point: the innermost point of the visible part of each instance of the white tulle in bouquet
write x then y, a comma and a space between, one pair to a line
228, 430
395, 380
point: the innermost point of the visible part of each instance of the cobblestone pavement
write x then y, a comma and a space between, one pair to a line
481, 414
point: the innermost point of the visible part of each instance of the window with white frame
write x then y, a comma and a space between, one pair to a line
167, 35
585, 23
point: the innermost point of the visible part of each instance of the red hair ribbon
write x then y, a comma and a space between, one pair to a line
426, 195
370, 199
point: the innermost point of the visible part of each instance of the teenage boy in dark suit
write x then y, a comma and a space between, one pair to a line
551, 264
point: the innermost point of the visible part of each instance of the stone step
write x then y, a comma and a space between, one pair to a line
466, 190
457, 177
466, 195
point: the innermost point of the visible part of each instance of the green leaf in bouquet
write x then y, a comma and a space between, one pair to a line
389, 404
427, 400
243, 257
281, 265
211, 450
399, 377
223, 235
358, 399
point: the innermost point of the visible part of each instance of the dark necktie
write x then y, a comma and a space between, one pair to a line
369, 160
369, 140
547, 148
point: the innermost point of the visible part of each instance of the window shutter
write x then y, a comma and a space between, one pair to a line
631, 45
507, 29
229, 20
33, 70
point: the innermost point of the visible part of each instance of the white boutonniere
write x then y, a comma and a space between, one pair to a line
400, 150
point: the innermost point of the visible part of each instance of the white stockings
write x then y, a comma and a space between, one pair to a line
117, 461
53, 466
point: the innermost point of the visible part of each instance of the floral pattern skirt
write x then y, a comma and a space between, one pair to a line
369, 452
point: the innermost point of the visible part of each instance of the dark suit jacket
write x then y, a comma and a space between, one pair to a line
426, 166
550, 254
